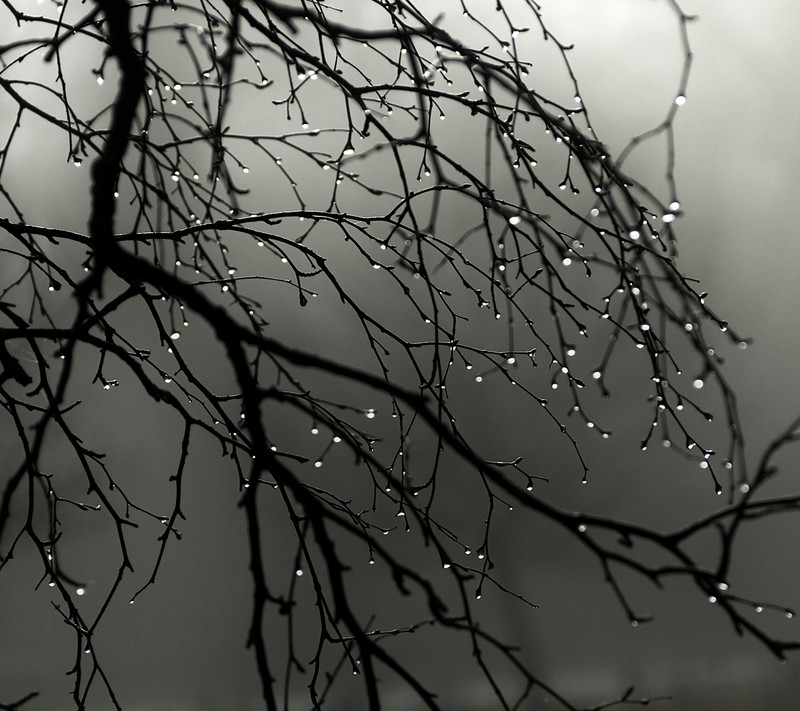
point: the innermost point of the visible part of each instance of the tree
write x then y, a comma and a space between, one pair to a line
268, 180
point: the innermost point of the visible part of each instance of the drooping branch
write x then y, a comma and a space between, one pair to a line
259, 159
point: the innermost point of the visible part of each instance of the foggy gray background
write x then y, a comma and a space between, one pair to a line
181, 646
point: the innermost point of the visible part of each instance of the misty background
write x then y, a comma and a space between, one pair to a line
181, 645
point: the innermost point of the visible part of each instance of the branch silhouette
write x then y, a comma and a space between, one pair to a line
258, 159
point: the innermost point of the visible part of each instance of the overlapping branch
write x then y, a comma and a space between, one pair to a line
457, 263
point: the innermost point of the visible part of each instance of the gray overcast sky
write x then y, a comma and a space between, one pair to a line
738, 158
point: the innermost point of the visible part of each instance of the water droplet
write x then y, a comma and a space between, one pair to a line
698, 383
299, 572
175, 335
680, 100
